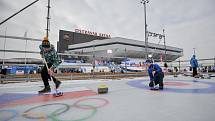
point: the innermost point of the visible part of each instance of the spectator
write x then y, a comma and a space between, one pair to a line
194, 65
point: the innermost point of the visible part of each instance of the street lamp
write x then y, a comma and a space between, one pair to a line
126, 60
109, 52
164, 39
48, 20
93, 58
194, 51
146, 36
4, 46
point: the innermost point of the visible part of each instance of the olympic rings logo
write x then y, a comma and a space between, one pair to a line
13, 112
32, 115
41, 116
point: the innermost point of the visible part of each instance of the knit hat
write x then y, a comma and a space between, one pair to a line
148, 61
45, 42
194, 56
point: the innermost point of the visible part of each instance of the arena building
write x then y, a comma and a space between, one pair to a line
120, 48
102, 47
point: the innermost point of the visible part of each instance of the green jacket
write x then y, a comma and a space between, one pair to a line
50, 56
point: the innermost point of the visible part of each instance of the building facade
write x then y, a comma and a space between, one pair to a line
67, 38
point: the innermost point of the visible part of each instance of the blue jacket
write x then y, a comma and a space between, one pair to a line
194, 62
156, 68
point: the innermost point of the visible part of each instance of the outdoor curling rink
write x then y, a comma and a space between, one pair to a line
183, 99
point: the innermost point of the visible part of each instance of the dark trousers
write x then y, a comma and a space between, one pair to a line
45, 75
158, 79
194, 71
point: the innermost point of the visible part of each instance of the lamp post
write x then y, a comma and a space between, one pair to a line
164, 39
109, 52
93, 58
146, 36
4, 46
194, 51
48, 20
25, 47
126, 60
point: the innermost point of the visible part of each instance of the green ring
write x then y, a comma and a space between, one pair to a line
54, 117
30, 109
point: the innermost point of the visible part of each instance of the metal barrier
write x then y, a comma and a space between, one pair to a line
70, 76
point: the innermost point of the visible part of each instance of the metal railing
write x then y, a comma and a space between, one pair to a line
69, 76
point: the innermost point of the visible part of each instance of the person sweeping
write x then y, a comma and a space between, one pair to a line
52, 60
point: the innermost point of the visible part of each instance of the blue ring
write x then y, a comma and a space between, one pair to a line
13, 112
210, 89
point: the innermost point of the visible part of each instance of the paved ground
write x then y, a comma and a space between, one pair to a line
183, 99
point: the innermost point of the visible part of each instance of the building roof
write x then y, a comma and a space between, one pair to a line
122, 47
21, 61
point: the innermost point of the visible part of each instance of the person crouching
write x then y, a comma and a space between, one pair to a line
156, 75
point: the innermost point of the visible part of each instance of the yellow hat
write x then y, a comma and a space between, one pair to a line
45, 42
45, 38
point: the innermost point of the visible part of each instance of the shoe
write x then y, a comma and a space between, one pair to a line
161, 88
45, 90
153, 88
57, 84
57, 94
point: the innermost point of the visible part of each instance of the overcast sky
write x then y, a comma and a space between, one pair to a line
188, 24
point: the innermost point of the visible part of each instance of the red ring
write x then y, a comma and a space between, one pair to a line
76, 104
176, 84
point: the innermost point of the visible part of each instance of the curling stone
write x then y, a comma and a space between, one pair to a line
102, 89
175, 75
